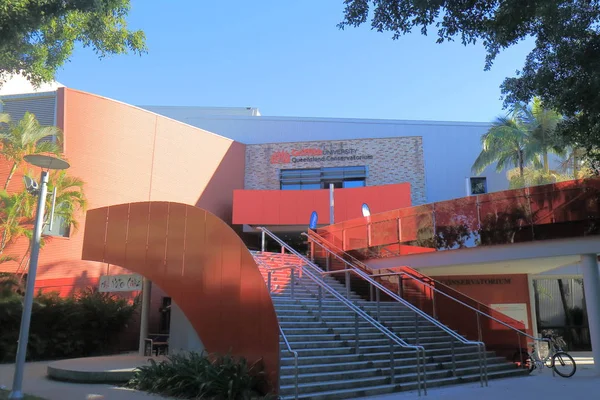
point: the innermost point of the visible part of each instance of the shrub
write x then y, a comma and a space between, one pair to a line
85, 324
199, 376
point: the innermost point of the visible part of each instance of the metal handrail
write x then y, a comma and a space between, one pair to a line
419, 350
425, 284
295, 353
480, 345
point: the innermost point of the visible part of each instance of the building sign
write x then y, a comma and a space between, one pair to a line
484, 281
317, 155
120, 283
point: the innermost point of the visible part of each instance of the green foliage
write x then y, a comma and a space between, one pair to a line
23, 138
533, 177
562, 69
85, 324
523, 139
507, 143
39, 36
17, 210
198, 376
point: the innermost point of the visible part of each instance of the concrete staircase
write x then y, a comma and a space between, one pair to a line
330, 366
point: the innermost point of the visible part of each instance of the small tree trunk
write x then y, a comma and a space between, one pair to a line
536, 299
521, 166
10, 175
546, 163
563, 299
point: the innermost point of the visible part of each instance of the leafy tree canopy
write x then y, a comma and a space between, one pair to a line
563, 69
38, 36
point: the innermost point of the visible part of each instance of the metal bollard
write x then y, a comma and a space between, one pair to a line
292, 280
356, 332
269, 281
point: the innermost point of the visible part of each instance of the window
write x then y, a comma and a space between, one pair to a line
477, 185
321, 178
59, 227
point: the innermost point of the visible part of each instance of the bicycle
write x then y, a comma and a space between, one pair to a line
557, 359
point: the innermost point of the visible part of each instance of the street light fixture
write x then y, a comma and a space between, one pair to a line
46, 163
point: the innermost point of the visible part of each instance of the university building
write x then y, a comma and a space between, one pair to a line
426, 211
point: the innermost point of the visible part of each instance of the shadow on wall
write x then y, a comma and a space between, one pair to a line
217, 196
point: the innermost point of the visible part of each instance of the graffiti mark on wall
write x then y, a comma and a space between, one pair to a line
120, 283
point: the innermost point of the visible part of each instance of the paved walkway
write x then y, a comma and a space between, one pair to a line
538, 385
37, 384
583, 385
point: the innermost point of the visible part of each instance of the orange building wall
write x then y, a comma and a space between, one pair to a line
294, 207
515, 292
126, 154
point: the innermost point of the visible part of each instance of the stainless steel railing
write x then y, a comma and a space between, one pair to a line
316, 238
295, 354
314, 274
284, 337
350, 268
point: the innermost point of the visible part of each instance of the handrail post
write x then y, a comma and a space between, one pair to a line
400, 283
417, 328
269, 281
312, 250
292, 280
347, 283
392, 362
453, 356
433, 304
356, 332
371, 289
296, 365
320, 302
479, 333
263, 241
377, 296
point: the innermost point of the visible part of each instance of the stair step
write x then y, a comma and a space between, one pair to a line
433, 362
287, 392
402, 374
287, 359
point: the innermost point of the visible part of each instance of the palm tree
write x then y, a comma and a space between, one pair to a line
14, 208
23, 138
508, 143
541, 124
70, 200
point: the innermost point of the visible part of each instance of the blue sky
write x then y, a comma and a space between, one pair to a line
289, 59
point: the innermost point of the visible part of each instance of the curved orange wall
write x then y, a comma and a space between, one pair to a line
126, 154
204, 266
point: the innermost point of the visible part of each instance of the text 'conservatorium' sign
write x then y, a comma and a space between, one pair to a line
120, 283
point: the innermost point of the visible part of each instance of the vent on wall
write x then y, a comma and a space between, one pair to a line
43, 107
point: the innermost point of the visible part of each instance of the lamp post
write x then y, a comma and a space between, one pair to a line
46, 163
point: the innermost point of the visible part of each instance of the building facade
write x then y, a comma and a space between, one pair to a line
251, 170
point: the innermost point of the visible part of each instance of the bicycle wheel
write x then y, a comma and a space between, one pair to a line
563, 364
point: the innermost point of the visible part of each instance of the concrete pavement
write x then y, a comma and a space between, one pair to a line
538, 385
36, 383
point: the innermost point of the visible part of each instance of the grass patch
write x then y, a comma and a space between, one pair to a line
4, 396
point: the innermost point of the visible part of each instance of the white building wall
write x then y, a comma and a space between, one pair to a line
449, 148
182, 336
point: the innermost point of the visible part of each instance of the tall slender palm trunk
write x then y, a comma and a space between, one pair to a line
10, 175
521, 164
